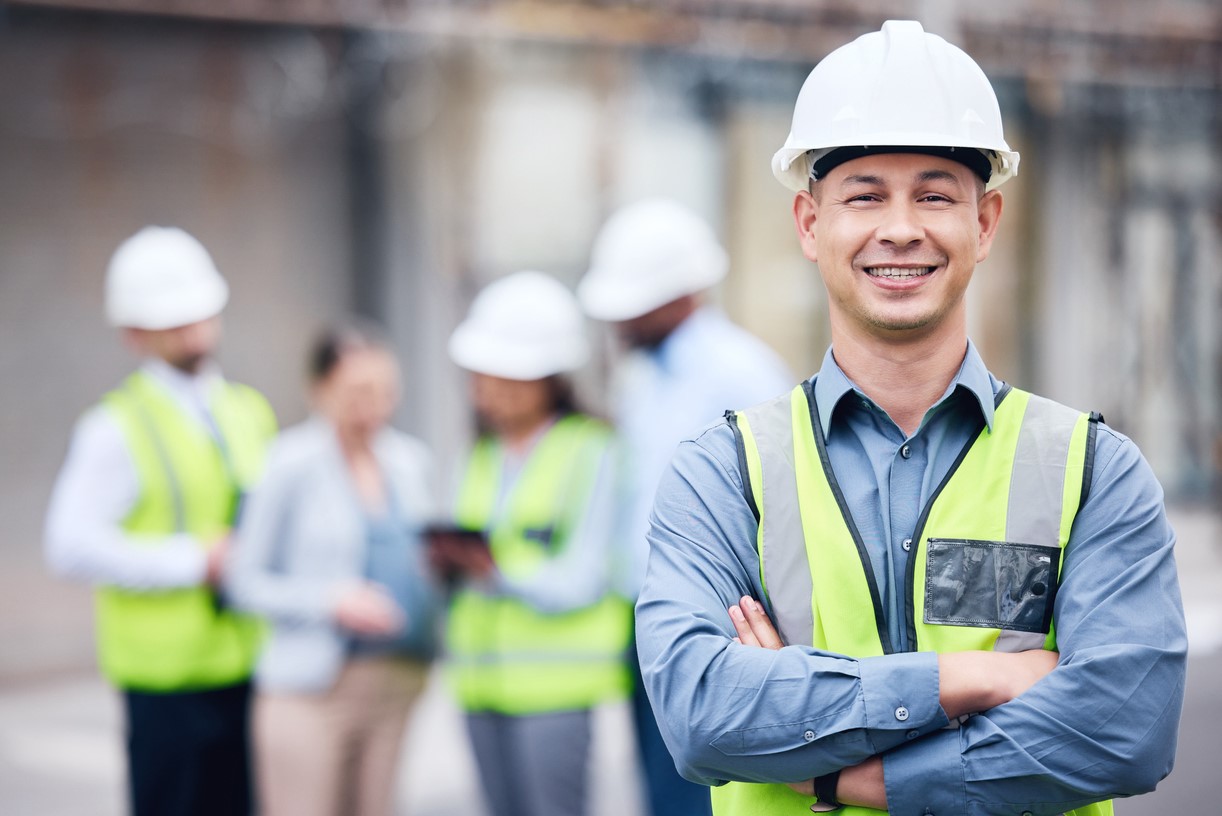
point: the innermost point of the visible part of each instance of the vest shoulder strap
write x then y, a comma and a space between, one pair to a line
740, 446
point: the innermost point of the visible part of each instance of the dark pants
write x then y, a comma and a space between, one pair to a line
535, 764
668, 793
188, 753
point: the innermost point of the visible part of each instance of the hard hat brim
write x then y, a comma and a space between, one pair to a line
606, 296
791, 164
207, 300
488, 353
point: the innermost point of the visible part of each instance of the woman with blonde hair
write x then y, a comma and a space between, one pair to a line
329, 552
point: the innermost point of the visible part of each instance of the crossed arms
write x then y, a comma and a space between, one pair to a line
1101, 724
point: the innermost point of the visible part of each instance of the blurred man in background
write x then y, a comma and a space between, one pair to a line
688, 364
143, 509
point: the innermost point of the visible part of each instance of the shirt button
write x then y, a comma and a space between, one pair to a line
907, 545
901, 713
913, 735
906, 452
809, 736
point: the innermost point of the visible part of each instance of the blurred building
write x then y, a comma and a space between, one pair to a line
391, 156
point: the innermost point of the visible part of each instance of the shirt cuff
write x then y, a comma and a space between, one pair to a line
927, 775
900, 697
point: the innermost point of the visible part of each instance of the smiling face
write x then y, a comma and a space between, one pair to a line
896, 237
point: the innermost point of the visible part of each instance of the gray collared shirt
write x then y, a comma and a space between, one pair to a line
1102, 724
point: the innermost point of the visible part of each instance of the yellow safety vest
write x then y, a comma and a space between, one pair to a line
504, 655
182, 639
985, 560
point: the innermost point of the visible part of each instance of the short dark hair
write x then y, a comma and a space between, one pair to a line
334, 343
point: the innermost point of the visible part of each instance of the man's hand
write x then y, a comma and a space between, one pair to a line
858, 784
971, 682
753, 625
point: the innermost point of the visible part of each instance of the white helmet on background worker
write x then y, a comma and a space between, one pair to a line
895, 90
647, 255
525, 326
162, 278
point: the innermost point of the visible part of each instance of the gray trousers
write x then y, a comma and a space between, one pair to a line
533, 765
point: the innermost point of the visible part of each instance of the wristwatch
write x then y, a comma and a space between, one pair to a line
825, 791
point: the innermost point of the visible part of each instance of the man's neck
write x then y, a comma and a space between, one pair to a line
905, 377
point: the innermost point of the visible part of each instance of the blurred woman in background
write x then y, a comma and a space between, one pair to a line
329, 553
535, 639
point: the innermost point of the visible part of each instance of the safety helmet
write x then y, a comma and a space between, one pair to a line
525, 326
162, 278
899, 87
646, 255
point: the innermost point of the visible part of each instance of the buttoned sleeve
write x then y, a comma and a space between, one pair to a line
96, 489
731, 712
1104, 722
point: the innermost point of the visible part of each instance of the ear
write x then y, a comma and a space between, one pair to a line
133, 339
805, 214
988, 216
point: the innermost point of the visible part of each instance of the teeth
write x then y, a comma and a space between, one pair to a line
898, 272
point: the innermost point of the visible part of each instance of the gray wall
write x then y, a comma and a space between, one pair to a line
397, 174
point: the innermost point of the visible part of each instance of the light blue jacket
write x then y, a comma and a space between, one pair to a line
302, 537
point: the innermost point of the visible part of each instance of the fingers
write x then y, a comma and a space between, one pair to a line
745, 636
761, 626
752, 625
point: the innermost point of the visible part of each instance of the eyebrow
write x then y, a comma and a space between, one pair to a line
924, 176
862, 179
938, 175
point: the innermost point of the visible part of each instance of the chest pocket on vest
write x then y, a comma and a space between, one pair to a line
990, 584
545, 537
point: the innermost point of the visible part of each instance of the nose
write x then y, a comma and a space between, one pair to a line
900, 224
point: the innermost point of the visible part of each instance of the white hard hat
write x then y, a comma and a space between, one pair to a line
896, 88
162, 278
525, 326
645, 256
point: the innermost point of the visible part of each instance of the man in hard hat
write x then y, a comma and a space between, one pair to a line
906, 585
650, 266
143, 509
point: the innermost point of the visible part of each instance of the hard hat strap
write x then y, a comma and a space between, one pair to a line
974, 159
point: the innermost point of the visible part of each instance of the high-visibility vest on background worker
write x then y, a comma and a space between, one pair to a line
182, 639
504, 655
985, 558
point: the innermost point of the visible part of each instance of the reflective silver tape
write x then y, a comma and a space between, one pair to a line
1037, 481
1011, 641
786, 568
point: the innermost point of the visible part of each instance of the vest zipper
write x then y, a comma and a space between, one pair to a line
918, 534
880, 620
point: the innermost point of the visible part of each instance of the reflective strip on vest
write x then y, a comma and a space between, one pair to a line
982, 574
504, 655
180, 640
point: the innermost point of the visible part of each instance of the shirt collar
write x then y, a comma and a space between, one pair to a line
832, 385
686, 339
195, 387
